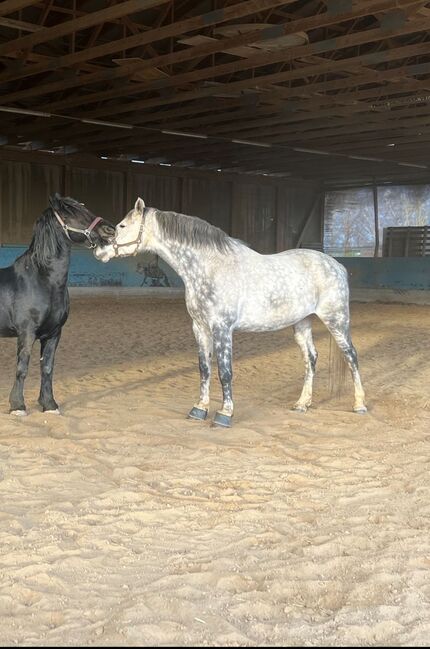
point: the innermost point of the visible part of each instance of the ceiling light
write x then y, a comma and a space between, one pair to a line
311, 151
23, 111
98, 122
263, 144
202, 137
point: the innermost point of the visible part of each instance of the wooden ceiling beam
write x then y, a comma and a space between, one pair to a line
199, 51
243, 157
363, 130
255, 129
251, 63
74, 25
20, 25
264, 80
239, 120
10, 6
55, 126
394, 139
238, 10
285, 119
311, 109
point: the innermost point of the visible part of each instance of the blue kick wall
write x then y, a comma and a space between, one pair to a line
148, 270
85, 270
411, 273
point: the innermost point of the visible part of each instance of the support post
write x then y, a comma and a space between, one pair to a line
307, 218
376, 216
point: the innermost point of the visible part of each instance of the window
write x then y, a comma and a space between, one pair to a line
349, 219
349, 223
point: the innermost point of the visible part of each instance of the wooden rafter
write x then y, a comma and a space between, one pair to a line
355, 95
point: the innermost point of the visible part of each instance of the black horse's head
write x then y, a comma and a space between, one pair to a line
79, 224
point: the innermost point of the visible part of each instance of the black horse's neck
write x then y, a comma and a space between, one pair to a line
49, 250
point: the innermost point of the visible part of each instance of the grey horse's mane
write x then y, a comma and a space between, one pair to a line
192, 231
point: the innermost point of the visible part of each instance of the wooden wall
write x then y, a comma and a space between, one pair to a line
267, 214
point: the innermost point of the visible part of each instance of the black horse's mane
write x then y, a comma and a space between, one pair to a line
48, 237
193, 231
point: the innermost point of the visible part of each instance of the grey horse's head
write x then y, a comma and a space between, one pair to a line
129, 237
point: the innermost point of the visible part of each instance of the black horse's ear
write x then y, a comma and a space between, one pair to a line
54, 201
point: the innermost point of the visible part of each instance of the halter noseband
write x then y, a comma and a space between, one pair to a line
136, 241
86, 232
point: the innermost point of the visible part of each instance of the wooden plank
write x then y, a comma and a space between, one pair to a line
267, 79
20, 25
251, 63
83, 22
167, 31
10, 6
407, 241
238, 120
230, 129
92, 162
320, 20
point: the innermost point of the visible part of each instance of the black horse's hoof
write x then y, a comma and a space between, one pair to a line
198, 413
222, 420
19, 412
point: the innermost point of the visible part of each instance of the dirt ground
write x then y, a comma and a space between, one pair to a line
123, 523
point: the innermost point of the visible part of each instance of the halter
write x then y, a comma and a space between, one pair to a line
86, 232
136, 242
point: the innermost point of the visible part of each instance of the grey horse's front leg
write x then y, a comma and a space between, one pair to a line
205, 344
224, 349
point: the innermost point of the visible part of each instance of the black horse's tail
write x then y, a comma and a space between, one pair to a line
337, 369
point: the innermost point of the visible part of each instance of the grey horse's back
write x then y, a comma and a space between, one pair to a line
323, 268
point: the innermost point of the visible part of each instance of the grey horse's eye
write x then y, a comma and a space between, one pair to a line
122, 225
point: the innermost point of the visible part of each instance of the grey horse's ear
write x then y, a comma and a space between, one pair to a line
139, 205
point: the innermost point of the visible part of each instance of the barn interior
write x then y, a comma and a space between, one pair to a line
293, 124
245, 114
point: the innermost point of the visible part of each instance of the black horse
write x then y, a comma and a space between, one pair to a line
34, 300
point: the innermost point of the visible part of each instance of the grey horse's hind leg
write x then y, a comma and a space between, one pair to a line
339, 329
205, 345
224, 348
303, 337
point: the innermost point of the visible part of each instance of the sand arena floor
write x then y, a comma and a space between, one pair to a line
123, 523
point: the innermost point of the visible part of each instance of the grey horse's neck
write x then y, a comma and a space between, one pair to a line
185, 261
190, 253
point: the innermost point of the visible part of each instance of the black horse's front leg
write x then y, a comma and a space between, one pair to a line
47, 355
16, 398
224, 348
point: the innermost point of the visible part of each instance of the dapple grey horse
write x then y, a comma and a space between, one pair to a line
229, 286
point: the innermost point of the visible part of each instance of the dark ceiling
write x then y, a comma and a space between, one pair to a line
337, 90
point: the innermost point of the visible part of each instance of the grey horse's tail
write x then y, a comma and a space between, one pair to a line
337, 369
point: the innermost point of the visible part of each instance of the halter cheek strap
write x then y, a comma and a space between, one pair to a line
86, 232
137, 242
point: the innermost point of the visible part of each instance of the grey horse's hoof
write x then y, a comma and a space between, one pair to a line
198, 413
222, 420
55, 411
361, 410
298, 408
